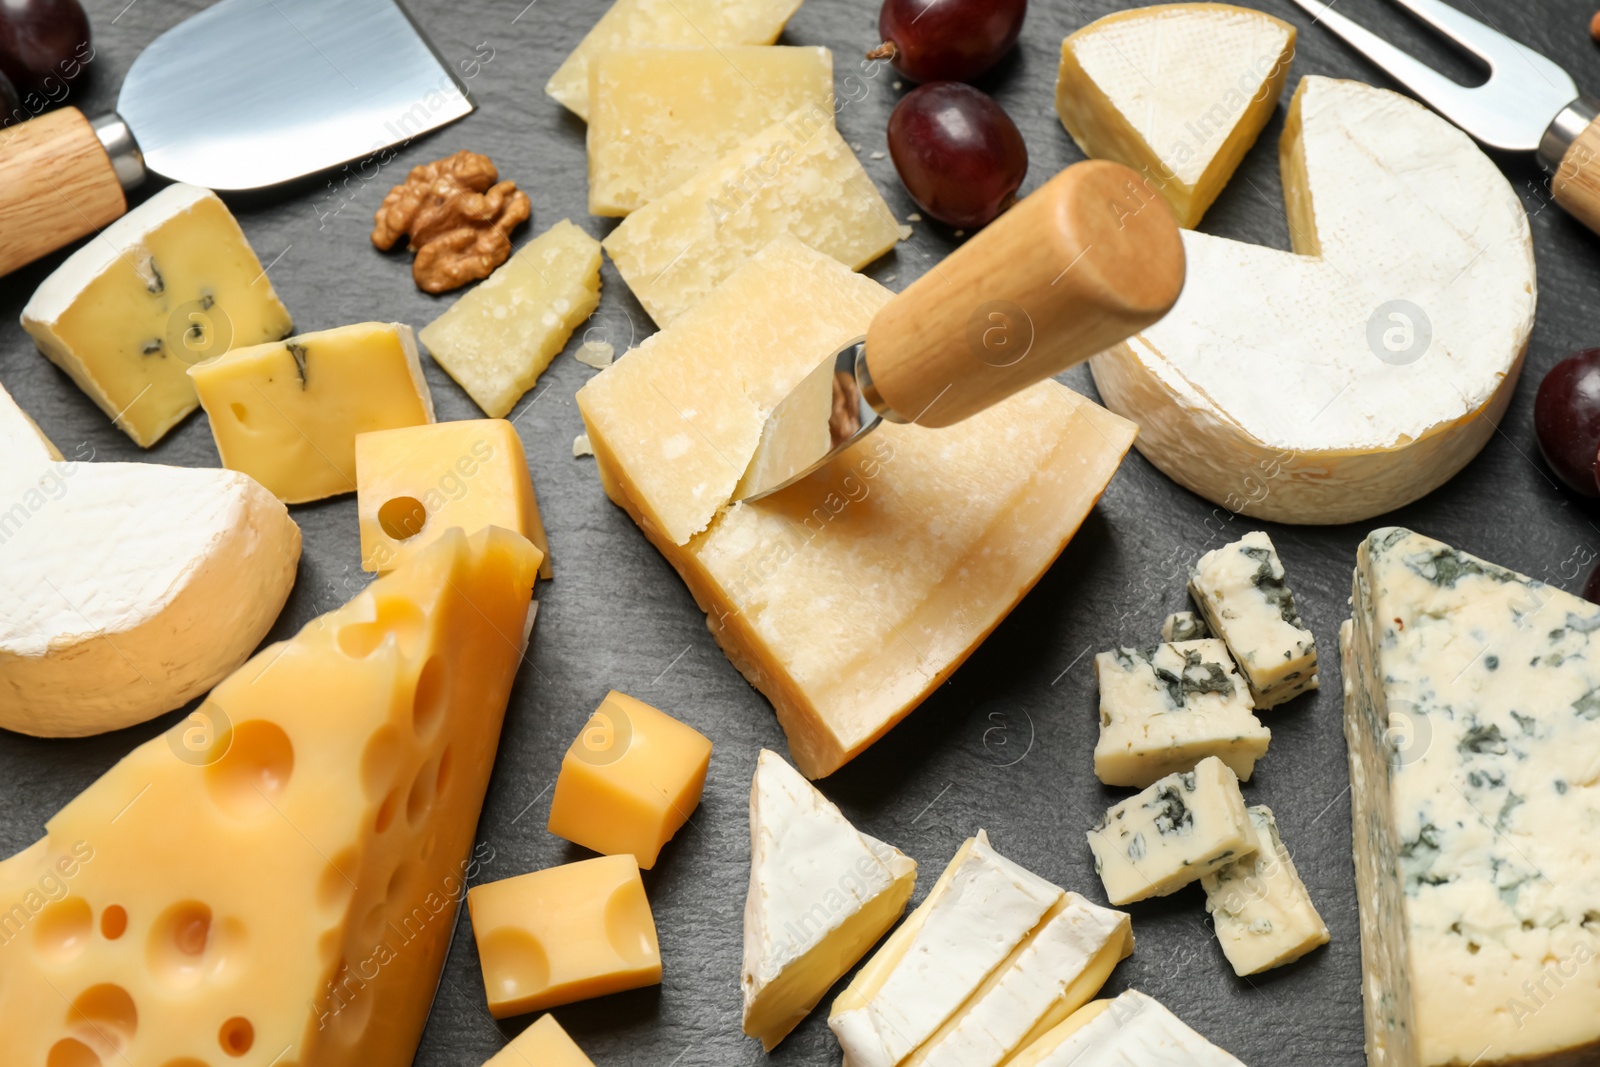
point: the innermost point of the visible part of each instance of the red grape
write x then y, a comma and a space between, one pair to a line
1566, 419
947, 40
959, 154
1591, 588
10, 102
42, 40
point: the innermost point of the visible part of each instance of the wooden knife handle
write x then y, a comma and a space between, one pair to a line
1576, 182
1090, 258
56, 184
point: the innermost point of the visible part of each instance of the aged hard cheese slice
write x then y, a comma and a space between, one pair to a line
1365, 368
1178, 92
948, 528
1241, 591
277, 877
544, 1044
132, 588
657, 116
821, 894
1132, 1030
169, 284
666, 23
1472, 712
796, 177
1263, 914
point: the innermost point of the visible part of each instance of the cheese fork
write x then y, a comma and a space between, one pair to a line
1529, 103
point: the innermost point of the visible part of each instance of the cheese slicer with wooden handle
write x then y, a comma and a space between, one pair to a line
1088, 259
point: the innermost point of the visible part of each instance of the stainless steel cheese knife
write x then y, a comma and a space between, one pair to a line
245, 94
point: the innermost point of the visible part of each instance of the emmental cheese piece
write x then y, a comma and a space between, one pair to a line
1177, 831
657, 116
131, 589
796, 177
1178, 92
1242, 592
821, 895
416, 482
1132, 1030
949, 528
670, 24
564, 934
1472, 713
500, 336
544, 1044
1263, 914
279, 875
169, 284
1365, 368
288, 414
630, 780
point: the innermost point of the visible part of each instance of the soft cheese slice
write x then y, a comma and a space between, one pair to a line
131, 588
948, 528
23, 446
1365, 368
669, 24
1132, 1030
657, 116
277, 877
1263, 914
1472, 712
796, 177
821, 894
1178, 92
981, 908
500, 336
169, 284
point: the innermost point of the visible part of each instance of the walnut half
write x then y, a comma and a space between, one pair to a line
459, 217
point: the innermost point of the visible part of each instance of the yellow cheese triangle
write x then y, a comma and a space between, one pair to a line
275, 880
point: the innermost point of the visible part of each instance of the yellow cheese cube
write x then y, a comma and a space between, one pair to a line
947, 529
657, 116
544, 1044
170, 283
796, 177
630, 780
414, 483
668, 23
498, 338
287, 414
562, 934
277, 878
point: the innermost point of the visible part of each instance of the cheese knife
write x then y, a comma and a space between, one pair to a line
1529, 103
245, 94
1089, 259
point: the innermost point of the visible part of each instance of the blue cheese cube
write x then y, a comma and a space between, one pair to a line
1184, 626
1240, 590
1167, 709
1263, 915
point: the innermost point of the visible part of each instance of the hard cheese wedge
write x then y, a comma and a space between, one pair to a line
498, 338
1263, 914
821, 894
288, 414
949, 528
659, 115
1472, 712
666, 23
169, 284
278, 876
1132, 1029
1365, 368
1178, 92
131, 589
796, 177
544, 1044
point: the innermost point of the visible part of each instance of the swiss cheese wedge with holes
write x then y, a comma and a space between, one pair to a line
276, 879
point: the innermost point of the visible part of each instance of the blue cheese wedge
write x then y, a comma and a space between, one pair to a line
1177, 831
1133, 1030
1184, 626
1241, 592
1263, 915
1167, 709
1472, 713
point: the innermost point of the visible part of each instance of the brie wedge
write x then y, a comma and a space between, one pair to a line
1132, 1030
23, 446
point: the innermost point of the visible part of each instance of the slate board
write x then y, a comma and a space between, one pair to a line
1006, 743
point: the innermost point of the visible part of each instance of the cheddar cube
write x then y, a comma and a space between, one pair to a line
288, 413
544, 1044
563, 934
657, 116
414, 483
630, 780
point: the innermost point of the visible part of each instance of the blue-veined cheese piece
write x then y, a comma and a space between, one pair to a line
1472, 713
1241, 591
1263, 915
1132, 1030
1184, 626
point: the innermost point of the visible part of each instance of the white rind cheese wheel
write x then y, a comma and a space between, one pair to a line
1365, 369
131, 588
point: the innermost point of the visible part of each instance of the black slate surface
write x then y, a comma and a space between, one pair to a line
1006, 744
